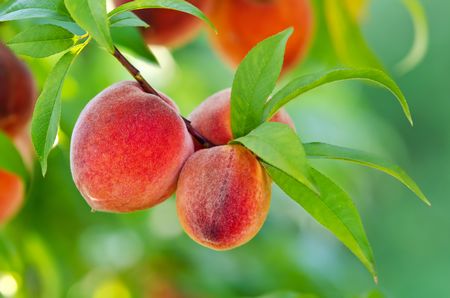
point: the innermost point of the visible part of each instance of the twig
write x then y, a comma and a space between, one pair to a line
149, 89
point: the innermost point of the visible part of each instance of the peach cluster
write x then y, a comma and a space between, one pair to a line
131, 150
17, 97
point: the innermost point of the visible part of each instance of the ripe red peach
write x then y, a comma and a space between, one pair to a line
212, 118
223, 196
127, 150
17, 92
12, 192
241, 24
168, 27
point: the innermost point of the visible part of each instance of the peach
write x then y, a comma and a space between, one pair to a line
17, 92
223, 196
212, 118
168, 27
243, 23
12, 192
127, 149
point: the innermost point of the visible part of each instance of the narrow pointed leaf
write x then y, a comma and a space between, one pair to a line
348, 40
278, 145
420, 45
44, 125
178, 5
42, 41
333, 209
254, 81
306, 83
26, 9
127, 19
10, 159
327, 151
91, 16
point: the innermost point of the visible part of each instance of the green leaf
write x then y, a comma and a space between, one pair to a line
68, 25
44, 125
278, 145
333, 209
178, 5
254, 81
327, 151
42, 41
130, 39
10, 159
91, 16
127, 19
420, 45
27, 9
348, 40
308, 82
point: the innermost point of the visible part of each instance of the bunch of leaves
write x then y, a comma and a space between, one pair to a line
282, 152
71, 24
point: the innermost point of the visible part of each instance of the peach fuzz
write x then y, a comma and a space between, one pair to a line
168, 27
212, 118
127, 150
223, 196
17, 92
244, 23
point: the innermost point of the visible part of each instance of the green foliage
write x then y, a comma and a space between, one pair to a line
47, 112
279, 146
91, 16
327, 151
10, 159
333, 208
42, 41
254, 81
348, 40
27, 9
308, 82
420, 45
130, 39
127, 19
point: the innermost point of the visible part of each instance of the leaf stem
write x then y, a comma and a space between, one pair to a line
149, 89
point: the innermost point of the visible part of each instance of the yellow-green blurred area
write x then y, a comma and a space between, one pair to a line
56, 247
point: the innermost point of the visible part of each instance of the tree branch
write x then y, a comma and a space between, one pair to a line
149, 89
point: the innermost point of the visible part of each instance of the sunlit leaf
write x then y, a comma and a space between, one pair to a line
91, 16
327, 151
42, 41
420, 45
333, 208
44, 126
27, 9
278, 145
348, 40
308, 82
127, 19
254, 81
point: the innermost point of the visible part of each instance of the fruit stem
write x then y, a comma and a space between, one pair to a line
149, 89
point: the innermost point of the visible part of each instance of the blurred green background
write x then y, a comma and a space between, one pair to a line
56, 247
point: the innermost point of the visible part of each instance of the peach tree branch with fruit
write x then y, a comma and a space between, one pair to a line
131, 149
